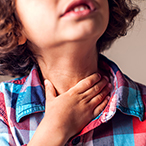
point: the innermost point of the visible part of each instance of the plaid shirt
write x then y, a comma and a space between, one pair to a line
122, 123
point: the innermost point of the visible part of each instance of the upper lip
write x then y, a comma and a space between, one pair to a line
76, 3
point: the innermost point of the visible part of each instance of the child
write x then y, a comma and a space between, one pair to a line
56, 45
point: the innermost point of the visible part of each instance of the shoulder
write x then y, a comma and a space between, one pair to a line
12, 85
9, 92
8, 88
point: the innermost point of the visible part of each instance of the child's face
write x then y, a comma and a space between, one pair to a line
46, 22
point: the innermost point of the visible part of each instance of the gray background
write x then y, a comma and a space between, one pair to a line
129, 52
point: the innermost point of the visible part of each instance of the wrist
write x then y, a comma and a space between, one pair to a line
48, 134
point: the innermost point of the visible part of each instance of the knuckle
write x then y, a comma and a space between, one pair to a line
96, 88
82, 98
101, 96
88, 83
71, 93
92, 80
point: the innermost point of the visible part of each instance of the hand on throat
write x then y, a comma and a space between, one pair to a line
67, 65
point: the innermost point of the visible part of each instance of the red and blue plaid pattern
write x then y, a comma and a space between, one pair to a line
122, 123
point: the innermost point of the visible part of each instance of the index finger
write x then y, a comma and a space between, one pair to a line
86, 83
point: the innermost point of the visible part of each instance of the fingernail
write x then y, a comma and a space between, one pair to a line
110, 85
99, 75
46, 82
108, 97
106, 78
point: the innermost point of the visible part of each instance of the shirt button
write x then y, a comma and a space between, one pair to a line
76, 140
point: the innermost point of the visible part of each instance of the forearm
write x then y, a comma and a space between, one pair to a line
48, 135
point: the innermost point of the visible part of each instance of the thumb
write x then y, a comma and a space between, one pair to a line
49, 90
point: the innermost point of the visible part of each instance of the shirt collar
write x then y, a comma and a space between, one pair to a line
125, 96
31, 98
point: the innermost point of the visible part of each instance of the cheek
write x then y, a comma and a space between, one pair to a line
37, 19
105, 14
105, 10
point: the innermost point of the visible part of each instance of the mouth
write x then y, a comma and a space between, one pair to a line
79, 7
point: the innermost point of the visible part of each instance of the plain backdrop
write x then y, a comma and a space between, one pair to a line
129, 52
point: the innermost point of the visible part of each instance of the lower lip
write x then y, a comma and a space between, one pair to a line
78, 14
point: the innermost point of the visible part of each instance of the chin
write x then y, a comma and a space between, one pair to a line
84, 31
84, 36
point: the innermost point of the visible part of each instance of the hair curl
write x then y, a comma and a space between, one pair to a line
18, 60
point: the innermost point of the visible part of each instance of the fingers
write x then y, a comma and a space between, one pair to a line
100, 107
49, 90
99, 102
96, 89
95, 101
86, 83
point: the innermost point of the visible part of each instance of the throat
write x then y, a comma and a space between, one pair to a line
63, 80
64, 76
65, 70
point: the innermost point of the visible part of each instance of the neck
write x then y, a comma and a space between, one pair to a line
68, 64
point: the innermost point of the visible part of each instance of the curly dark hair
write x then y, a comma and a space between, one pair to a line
18, 60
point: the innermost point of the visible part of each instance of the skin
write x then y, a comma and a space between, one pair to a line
81, 104
58, 34
67, 56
